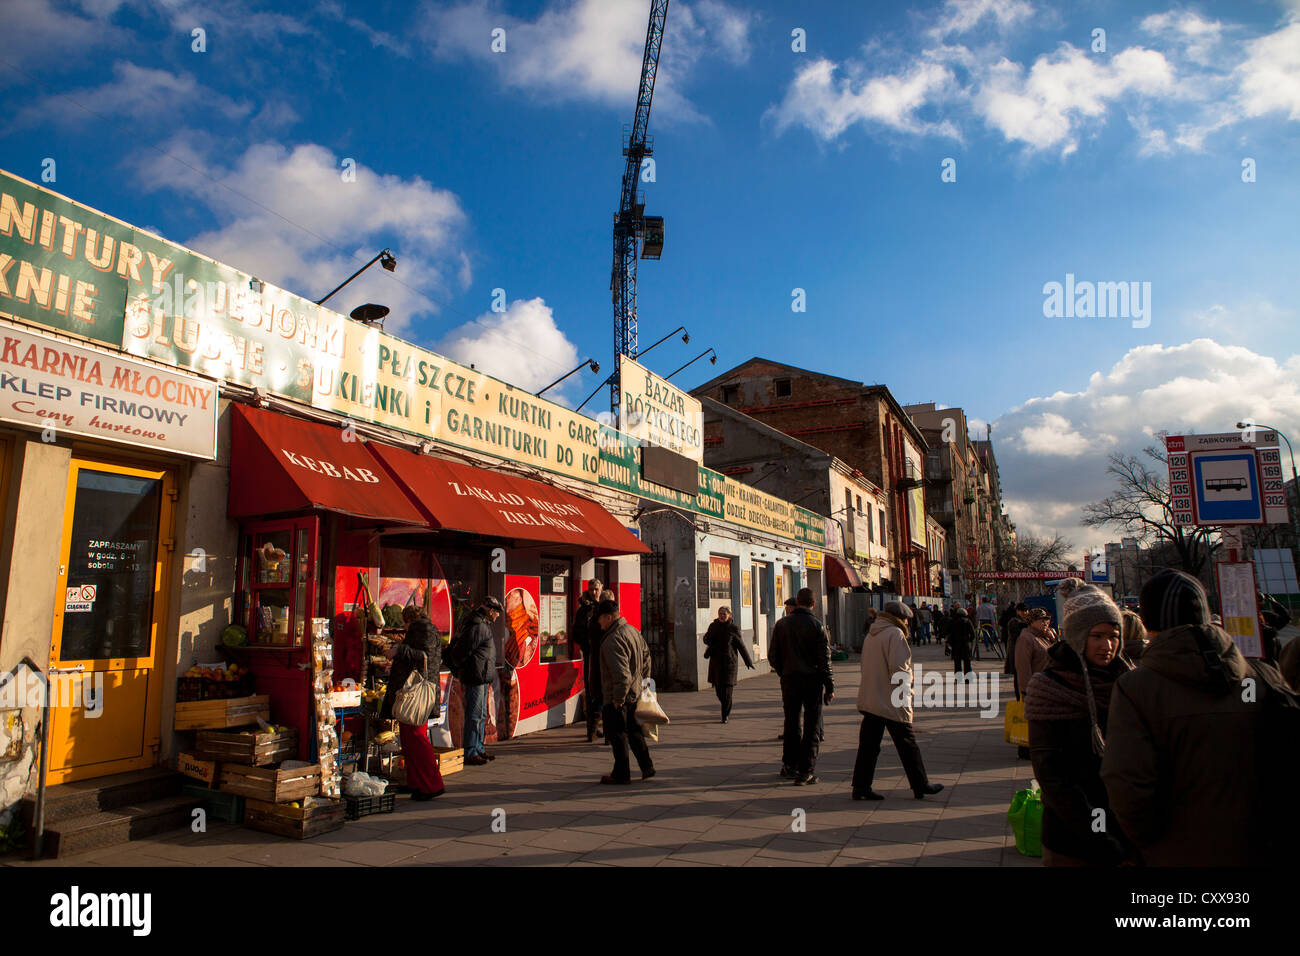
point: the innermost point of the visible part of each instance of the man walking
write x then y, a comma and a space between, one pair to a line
961, 637
923, 623
887, 705
801, 653
624, 664
987, 616
473, 659
586, 634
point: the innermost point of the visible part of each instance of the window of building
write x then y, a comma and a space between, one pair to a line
730, 394
556, 587
782, 388
871, 530
859, 508
884, 539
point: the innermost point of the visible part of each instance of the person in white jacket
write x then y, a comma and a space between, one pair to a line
885, 702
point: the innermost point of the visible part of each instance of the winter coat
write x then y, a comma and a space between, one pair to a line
801, 648
1185, 754
420, 650
724, 643
473, 654
586, 634
1031, 656
624, 663
1067, 768
961, 636
1288, 662
1015, 627
885, 655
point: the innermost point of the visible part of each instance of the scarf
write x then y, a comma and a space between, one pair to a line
1072, 690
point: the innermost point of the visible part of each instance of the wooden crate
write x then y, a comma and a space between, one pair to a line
253, 748
225, 807
270, 785
450, 759
220, 714
298, 823
192, 766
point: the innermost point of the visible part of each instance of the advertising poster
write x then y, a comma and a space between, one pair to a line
536, 687
1240, 609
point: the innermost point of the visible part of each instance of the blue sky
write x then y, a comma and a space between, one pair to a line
775, 169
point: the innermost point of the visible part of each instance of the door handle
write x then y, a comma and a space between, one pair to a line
80, 668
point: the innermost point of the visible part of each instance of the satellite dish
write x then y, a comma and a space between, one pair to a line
369, 313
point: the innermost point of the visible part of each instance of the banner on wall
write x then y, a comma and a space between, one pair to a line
73, 269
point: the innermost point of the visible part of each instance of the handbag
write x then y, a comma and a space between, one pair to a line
1015, 729
415, 701
1026, 818
648, 710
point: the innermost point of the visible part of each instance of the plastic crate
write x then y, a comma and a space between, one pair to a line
225, 807
358, 807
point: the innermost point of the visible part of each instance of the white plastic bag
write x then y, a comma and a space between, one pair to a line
440, 736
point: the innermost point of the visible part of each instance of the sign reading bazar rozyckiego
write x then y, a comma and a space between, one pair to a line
659, 413
53, 385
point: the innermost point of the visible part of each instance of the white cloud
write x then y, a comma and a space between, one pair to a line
1270, 76
828, 105
522, 346
591, 49
34, 28
141, 94
1052, 450
322, 228
1195, 77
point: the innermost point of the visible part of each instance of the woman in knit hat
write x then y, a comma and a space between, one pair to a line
1134, 637
1066, 706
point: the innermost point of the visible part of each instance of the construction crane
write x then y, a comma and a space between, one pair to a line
631, 225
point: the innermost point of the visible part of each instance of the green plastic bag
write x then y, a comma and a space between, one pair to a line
1026, 818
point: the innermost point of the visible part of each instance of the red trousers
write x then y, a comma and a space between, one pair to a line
422, 772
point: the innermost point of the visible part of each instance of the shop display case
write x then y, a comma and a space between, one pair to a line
278, 581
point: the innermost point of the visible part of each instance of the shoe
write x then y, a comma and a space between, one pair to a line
476, 761
489, 756
421, 795
780, 736
591, 738
647, 774
788, 773
806, 780
609, 779
867, 795
724, 720
930, 789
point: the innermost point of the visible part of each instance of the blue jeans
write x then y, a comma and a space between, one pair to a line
475, 717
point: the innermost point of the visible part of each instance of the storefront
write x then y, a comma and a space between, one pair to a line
329, 525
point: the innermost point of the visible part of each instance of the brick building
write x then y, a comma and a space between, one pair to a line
864, 426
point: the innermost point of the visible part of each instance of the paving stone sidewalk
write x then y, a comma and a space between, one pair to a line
717, 800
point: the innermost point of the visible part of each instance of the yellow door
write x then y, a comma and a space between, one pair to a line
106, 654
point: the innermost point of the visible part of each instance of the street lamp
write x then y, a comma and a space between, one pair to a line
589, 363
686, 337
712, 361
384, 258
1295, 519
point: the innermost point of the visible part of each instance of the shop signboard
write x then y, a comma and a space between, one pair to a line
812, 560
660, 413
755, 509
66, 389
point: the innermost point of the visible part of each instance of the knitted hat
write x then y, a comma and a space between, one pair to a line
1086, 606
1173, 598
899, 610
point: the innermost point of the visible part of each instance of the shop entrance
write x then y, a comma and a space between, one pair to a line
762, 605
106, 651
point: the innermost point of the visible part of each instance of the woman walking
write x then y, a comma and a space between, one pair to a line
1066, 705
420, 651
722, 644
885, 705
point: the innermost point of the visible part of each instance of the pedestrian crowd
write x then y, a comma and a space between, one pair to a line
1153, 740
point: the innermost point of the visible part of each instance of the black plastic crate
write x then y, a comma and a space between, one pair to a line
358, 807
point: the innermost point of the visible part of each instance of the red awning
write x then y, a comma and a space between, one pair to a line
464, 498
841, 574
280, 464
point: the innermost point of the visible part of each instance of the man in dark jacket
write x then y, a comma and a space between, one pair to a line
800, 652
961, 638
586, 634
1191, 754
473, 659
624, 664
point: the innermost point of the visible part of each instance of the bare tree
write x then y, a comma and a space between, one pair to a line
1142, 508
1041, 554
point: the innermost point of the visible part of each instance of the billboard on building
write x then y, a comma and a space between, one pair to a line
658, 412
